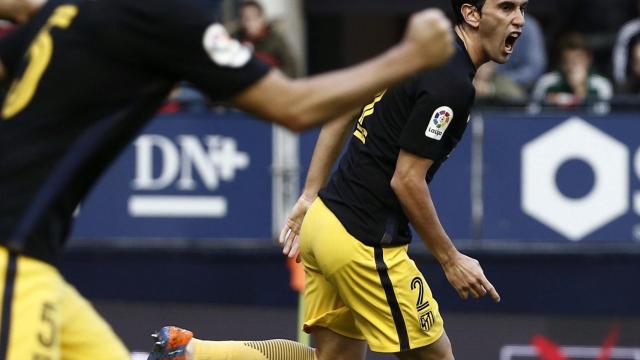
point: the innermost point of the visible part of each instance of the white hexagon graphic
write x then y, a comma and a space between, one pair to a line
607, 200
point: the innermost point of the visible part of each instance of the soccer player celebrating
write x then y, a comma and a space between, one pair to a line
361, 286
84, 77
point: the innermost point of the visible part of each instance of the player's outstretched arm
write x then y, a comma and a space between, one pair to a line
328, 148
463, 272
303, 103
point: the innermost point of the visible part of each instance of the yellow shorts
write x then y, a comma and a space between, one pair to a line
44, 318
369, 293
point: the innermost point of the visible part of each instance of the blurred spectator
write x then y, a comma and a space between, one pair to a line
632, 82
628, 34
185, 98
492, 86
268, 44
575, 82
529, 59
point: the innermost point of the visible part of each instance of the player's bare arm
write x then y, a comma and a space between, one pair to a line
408, 183
327, 150
19, 10
303, 103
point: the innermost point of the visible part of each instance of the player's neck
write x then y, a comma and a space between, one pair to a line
472, 44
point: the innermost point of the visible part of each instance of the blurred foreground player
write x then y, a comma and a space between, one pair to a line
84, 77
361, 286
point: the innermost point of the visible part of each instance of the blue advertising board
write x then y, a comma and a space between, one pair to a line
451, 191
195, 176
561, 178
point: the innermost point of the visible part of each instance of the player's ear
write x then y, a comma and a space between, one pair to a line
471, 15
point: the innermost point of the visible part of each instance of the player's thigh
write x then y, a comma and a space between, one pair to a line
390, 300
85, 334
325, 315
333, 346
439, 350
31, 293
330, 322
321, 250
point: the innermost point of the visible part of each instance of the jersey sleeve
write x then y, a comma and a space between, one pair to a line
189, 44
428, 129
219, 65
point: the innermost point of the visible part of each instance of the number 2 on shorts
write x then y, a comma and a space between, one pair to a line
420, 303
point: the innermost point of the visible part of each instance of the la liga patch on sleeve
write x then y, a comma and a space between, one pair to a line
224, 50
439, 122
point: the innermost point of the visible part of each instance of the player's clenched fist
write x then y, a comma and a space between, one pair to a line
429, 32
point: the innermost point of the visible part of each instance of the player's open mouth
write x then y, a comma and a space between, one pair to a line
510, 41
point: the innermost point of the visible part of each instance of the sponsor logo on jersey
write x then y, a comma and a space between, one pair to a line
439, 122
224, 50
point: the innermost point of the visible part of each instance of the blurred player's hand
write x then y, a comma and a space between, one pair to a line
466, 276
290, 235
429, 33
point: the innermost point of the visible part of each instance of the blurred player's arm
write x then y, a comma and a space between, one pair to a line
328, 147
463, 272
19, 10
12, 48
303, 103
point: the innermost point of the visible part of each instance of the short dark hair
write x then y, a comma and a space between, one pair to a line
573, 41
457, 5
252, 3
